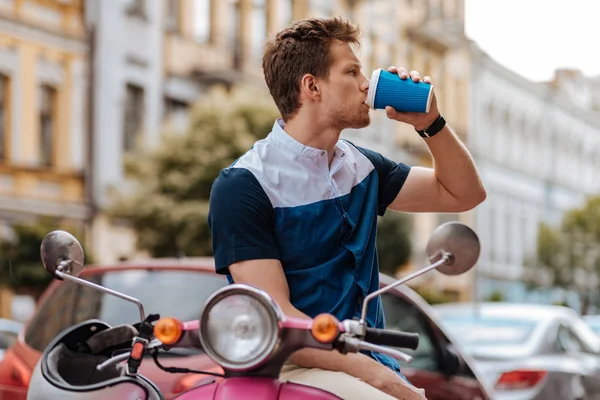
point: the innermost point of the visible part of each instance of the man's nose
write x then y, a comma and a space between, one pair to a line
364, 86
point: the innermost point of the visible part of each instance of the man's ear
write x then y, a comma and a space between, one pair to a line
309, 87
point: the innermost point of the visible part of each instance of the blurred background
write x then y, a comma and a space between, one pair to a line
116, 116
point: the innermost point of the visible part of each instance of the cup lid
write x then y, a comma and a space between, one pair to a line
373, 88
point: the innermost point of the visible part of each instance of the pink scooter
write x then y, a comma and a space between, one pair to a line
241, 328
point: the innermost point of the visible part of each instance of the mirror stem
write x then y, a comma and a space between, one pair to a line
63, 275
445, 256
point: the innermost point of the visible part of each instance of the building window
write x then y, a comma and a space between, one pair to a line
322, 8
137, 8
176, 115
434, 9
259, 28
203, 10
174, 15
47, 109
134, 114
3, 117
284, 14
234, 33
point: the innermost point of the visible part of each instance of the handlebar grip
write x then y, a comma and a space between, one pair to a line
386, 337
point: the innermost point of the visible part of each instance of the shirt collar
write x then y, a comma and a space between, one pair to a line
281, 136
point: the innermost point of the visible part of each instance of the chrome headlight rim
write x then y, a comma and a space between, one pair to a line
275, 316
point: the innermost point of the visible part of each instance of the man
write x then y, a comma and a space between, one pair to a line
297, 214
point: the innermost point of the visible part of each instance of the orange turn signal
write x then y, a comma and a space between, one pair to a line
168, 330
325, 328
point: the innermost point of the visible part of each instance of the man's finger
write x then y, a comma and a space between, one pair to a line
402, 73
392, 113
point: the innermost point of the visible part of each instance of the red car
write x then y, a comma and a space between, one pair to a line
179, 288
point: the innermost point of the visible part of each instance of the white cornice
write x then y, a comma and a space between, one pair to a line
36, 34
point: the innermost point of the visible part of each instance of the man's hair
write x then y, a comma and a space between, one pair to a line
302, 48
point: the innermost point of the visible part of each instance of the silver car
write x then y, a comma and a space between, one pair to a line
527, 351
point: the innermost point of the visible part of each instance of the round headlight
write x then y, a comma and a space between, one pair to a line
239, 327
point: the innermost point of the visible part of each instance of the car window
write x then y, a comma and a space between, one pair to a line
588, 337
404, 316
476, 330
179, 294
595, 326
7, 339
567, 341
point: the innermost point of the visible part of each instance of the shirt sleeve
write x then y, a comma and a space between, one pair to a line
240, 219
391, 176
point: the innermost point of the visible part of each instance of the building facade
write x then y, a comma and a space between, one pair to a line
537, 146
43, 53
42, 110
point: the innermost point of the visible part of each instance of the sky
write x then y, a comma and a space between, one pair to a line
534, 37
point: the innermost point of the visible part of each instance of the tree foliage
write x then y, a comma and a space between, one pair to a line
20, 262
167, 201
568, 256
394, 244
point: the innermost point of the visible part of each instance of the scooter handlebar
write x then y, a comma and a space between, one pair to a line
386, 337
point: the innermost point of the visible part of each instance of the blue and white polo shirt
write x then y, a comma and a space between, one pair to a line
282, 200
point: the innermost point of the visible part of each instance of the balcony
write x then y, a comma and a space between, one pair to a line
63, 18
185, 57
439, 34
42, 192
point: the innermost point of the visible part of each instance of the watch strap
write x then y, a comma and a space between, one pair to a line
434, 128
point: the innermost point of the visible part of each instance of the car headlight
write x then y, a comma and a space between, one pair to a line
239, 327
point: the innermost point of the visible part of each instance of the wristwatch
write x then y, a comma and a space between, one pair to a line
434, 128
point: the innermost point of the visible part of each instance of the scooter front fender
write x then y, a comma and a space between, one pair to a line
241, 388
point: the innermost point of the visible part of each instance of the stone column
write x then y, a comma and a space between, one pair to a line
300, 9
186, 16
244, 33
272, 16
218, 21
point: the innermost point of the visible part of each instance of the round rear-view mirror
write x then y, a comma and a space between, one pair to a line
460, 243
61, 249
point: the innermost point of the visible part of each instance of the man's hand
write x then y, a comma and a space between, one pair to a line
419, 120
389, 382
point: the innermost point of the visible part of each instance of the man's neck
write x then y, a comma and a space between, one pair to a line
313, 134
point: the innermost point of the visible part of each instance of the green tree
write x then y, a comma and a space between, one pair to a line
495, 296
167, 205
568, 256
20, 262
433, 296
394, 244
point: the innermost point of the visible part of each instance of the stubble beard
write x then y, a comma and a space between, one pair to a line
343, 119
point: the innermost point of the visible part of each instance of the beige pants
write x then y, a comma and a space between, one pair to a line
339, 383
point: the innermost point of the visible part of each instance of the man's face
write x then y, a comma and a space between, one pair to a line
345, 89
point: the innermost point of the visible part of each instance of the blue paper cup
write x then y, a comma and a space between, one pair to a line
387, 89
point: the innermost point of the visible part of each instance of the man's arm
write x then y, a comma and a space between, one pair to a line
453, 184
268, 275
